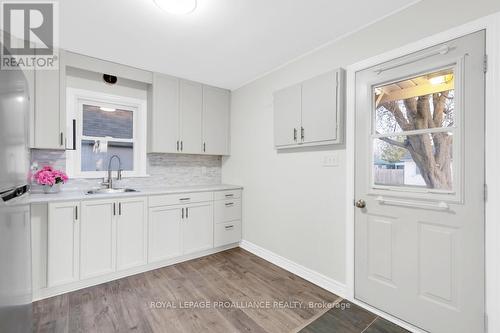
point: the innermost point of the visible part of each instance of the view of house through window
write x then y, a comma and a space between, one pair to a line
413, 132
106, 132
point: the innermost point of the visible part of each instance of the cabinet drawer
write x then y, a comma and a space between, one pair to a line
227, 210
176, 199
231, 194
227, 233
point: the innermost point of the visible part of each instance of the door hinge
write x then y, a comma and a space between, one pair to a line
485, 192
485, 63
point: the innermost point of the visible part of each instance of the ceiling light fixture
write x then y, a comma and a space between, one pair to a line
178, 7
105, 109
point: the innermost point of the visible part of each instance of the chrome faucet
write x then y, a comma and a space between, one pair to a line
109, 183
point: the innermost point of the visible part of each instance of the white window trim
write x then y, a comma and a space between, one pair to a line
74, 101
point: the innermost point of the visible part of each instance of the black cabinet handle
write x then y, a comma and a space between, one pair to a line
182, 212
182, 145
120, 208
294, 134
187, 212
76, 213
114, 209
177, 145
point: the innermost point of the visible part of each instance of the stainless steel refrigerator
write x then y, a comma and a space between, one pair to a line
15, 236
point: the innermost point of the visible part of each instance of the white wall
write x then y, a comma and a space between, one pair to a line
292, 205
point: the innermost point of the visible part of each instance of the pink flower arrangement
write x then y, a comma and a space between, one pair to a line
48, 176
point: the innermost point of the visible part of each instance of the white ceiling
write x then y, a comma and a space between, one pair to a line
226, 43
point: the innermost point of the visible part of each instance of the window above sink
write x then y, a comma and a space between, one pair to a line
106, 125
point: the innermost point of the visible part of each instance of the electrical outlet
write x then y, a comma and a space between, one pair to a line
331, 160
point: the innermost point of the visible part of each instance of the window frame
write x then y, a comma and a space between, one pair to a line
418, 192
76, 98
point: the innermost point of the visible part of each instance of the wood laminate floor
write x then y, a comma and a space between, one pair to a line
231, 291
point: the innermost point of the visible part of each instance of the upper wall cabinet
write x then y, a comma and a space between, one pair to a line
48, 116
163, 117
187, 117
216, 106
310, 113
191, 108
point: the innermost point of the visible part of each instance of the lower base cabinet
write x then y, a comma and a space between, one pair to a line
180, 229
113, 235
198, 228
92, 240
98, 238
131, 233
63, 237
165, 233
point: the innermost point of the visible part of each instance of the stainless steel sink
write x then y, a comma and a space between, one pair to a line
111, 190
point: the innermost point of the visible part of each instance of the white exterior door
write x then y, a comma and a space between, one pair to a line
131, 233
419, 225
165, 233
198, 227
63, 243
98, 238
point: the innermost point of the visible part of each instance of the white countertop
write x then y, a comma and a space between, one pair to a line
37, 198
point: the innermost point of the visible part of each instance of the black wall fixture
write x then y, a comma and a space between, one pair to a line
110, 79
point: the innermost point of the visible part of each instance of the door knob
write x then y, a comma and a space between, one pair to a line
360, 203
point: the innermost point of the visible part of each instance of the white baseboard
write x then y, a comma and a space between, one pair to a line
320, 280
314, 277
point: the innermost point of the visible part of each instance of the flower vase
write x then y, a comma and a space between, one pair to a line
56, 188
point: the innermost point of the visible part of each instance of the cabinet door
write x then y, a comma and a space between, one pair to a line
215, 121
165, 233
191, 105
319, 108
63, 243
48, 132
198, 228
164, 114
287, 116
98, 238
131, 233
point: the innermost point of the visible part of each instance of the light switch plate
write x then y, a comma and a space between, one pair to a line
331, 160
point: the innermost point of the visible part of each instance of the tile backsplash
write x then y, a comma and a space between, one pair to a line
164, 170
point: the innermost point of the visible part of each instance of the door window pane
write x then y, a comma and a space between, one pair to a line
418, 103
424, 160
96, 155
114, 123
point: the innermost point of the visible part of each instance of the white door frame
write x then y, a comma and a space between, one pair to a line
491, 24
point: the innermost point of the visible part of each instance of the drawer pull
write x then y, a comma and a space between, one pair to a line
184, 199
229, 227
229, 195
229, 204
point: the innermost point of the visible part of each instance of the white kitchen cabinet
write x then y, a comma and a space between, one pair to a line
98, 238
319, 108
287, 116
310, 113
63, 243
216, 106
191, 106
187, 117
131, 233
163, 115
165, 233
49, 115
197, 228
